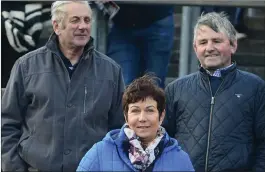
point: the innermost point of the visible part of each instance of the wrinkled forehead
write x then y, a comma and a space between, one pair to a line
78, 10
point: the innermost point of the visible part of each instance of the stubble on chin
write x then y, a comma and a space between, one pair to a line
211, 68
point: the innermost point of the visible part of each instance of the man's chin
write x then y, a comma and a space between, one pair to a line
212, 67
81, 44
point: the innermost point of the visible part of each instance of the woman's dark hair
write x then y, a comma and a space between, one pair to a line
140, 89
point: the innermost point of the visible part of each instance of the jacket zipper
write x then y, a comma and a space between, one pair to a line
210, 122
85, 99
209, 134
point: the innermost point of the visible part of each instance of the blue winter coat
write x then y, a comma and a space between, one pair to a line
109, 155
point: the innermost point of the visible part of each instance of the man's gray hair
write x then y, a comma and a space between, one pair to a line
58, 11
218, 22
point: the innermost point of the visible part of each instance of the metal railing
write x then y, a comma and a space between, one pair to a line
238, 3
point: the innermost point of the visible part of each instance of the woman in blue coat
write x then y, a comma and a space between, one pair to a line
142, 144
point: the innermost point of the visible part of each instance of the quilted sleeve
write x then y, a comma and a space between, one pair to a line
169, 121
260, 129
90, 162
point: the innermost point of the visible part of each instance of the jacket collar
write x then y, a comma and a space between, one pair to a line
52, 45
119, 138
225, 72
228, 78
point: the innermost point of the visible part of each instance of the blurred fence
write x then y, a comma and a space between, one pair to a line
238, 3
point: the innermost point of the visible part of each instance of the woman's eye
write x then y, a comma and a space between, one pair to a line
150, 110
135, 111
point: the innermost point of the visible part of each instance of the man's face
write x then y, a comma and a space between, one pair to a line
213, 49
76, 27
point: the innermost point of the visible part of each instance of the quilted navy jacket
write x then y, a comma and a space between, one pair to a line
220, 132
109, 155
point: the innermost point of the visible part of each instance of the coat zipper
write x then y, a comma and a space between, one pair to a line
85, 99
209, 134
210, 122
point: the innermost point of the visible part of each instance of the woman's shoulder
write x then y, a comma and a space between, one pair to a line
104, 144
109, 141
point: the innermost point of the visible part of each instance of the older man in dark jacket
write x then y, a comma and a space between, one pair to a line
218, 113
61, 98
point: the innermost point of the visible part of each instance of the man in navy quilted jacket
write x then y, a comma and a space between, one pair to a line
218, 113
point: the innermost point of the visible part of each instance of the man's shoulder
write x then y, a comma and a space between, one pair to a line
35, 53
251, 77
105, 60
182, 80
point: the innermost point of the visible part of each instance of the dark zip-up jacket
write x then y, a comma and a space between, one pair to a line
220, 132
49, 122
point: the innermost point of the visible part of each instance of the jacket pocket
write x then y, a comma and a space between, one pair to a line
97, 99
97, 96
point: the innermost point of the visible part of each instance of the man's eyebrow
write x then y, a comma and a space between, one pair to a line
201, 39
74, 17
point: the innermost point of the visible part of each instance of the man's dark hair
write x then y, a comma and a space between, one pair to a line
142, 88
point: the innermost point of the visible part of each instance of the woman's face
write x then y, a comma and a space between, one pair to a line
143, 119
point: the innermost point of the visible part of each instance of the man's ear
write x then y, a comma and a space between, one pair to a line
194, 47
56, 28
162, 117
233, 46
